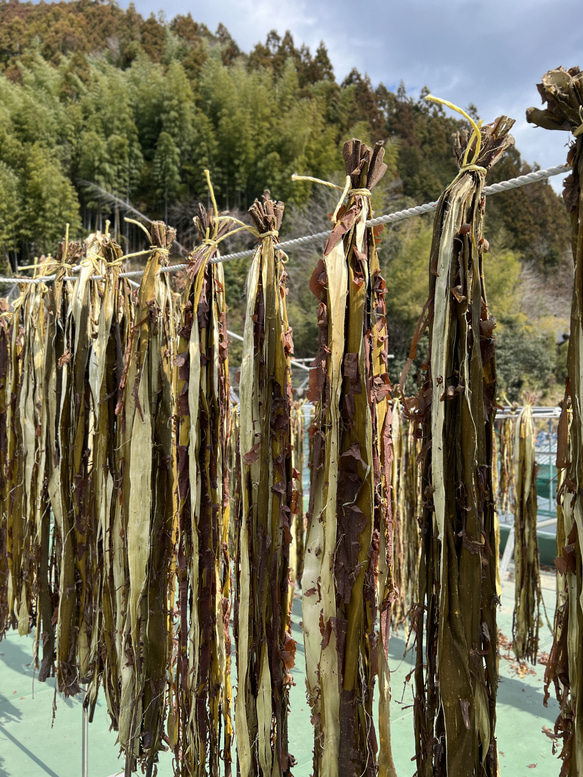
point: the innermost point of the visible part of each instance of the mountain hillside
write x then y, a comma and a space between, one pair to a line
102, 109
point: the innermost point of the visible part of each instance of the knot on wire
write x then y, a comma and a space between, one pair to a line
469, 167
271, 233
346, 190
53, 266
362, 192
93, 259
211, 243
116, 262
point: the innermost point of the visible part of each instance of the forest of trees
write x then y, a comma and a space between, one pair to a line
101, 108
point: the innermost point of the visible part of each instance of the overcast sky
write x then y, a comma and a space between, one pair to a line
491, 54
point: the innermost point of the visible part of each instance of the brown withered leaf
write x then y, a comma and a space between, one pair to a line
253, 454
458, 293
341, 227
288, 653
355, 453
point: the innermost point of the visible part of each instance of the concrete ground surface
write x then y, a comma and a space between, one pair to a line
34, 743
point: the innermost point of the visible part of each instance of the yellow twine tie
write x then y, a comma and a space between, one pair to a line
53, 266
116, 262
138, 224
19, 301
49, 263
92, 258
212, 244
476, 132
341, 200
361, 192
149, 250
136, 253
164, 251
296, 177
66, 249
346, 190
212, 193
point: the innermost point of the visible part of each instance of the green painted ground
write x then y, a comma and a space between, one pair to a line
32, 744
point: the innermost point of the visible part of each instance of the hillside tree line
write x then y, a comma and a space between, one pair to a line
102, 109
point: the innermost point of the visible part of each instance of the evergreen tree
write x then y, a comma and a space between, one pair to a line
10, 215
49, 202
166, 169
141, 107
178, 109
153, 38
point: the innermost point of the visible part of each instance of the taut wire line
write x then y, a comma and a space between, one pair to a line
389, 218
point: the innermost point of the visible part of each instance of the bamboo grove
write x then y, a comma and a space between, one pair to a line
151, 530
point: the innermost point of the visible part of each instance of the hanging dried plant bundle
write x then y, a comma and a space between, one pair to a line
406, 506
399, 511
562, 91
495, 491
78, 473
32, 424
111, 322
148, 508
234, 498
502, 480
456, 673
558, 664
347, 582
5, 340
505, 468
412, 462
16, 531
298, 440
202, 685
25, 498
525, 622
58, 389
265, 648
380, 568
236, 514
75, 426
